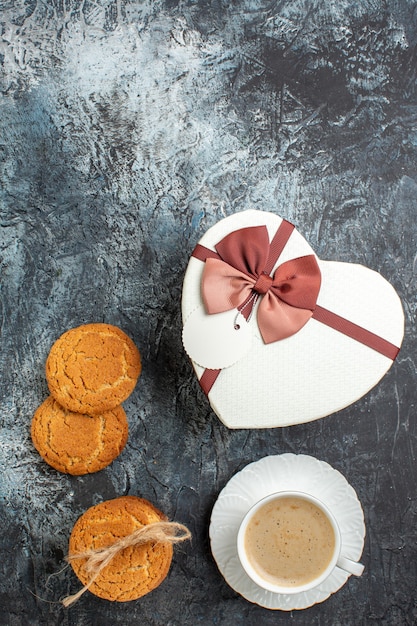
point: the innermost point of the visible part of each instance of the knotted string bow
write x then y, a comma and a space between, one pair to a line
241, 275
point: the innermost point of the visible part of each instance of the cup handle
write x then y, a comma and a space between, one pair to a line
353, 567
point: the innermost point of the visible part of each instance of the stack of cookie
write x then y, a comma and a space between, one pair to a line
82, 427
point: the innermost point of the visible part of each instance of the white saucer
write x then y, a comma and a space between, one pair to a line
279, 473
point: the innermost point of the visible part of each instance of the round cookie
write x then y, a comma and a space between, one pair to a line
92, 368
75, 443
134, 571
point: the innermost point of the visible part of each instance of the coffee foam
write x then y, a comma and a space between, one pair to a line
289, 541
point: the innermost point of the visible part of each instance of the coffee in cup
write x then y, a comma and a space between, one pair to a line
290, 542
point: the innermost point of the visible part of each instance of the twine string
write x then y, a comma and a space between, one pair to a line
97, 559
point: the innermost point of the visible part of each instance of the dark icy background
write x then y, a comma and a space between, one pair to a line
128, 129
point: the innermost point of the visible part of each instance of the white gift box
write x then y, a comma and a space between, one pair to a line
343, 350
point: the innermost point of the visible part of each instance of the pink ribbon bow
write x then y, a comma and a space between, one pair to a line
240, 276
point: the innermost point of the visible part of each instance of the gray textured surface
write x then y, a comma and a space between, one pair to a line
129, 128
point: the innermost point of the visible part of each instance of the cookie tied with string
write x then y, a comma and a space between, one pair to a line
92, 368
122, 549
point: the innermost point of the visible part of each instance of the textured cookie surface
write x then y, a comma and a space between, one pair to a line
134, 571
75, 443
92, 368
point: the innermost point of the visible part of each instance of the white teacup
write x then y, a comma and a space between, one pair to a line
289, 542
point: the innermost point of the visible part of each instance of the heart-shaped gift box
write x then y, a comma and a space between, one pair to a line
277, 336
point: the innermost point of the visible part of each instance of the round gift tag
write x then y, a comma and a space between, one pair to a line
216, 341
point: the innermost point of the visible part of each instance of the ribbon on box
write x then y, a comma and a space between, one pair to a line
238, 273
241, 275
